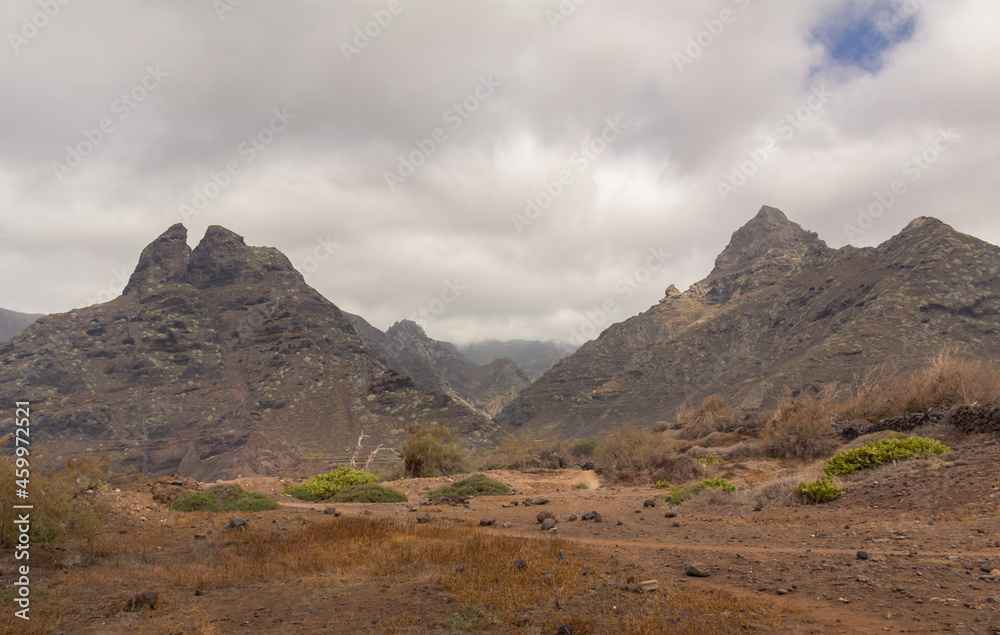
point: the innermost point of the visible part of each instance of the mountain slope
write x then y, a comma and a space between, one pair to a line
534, 356
437, 366
780, 313
12, 323
214, 362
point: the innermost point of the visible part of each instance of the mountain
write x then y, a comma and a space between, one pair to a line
12, 323
437, 366
533, 356
215, 362
781, 313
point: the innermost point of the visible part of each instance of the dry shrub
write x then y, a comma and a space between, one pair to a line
523, 451
780, 491
677, 470
711, 416
945, 380
629, 453
801, 429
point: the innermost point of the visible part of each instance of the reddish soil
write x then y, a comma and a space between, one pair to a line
930, 528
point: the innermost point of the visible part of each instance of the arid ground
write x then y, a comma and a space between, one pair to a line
909, 548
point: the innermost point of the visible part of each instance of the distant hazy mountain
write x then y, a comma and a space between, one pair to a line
12, 323
434, 365
533, 356
780, 314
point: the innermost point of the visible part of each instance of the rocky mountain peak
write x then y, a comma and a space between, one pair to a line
769, 233
165, 259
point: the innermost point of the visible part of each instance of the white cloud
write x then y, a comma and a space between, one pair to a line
323, 178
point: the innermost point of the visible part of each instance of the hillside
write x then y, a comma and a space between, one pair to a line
12, 323
437, 366
215, 362
780, 314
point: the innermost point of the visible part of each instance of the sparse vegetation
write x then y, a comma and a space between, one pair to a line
370, 493
581, 486
225, 498
820, 491
325, 486
477, 485
801, 429
880, 452
678, 495
472, 617
629, 453
433, 451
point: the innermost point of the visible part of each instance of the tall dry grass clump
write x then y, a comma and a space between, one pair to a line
629, 453
710, 416
801, 428
945, 380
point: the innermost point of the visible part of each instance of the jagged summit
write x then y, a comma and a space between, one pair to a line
221, 258
768, 233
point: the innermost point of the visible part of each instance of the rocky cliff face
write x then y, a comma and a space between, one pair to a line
215, 362
780, 314
534, 357
437, 366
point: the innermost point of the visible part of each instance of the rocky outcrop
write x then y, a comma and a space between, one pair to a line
12, 323
780, 314
215, 362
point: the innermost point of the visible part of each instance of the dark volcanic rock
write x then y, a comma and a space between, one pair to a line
214, 363
780, 314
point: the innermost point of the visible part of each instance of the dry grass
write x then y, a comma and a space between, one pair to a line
801, 429
629, 453
523, 450
472, 567
945, 380
711, 416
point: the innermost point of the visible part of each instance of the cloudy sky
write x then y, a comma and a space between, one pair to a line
494, 169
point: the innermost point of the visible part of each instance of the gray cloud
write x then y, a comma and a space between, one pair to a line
321, 178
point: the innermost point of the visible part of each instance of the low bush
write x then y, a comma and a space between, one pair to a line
821, 491
711, 416
477, 485
225, 498
325, 486
678, 495
433, 451
879, 452
629, 453
801, 429
585, 448
370, 493
680, 468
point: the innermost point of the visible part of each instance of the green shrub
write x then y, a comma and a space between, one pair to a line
478, 485
370, 493
709, 460
225, 498
678, 495
661, 484
433, 451
581, 486
324, 486
879, 452
585, 448
821, 491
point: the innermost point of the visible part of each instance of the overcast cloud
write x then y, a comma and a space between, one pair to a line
670, 124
